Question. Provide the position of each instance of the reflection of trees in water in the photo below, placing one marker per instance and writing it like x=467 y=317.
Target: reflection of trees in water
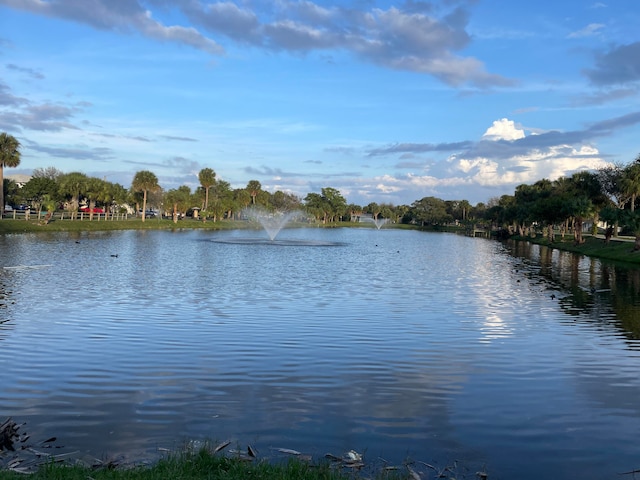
x=626 y=302
x=5 y=301
x=589 y=287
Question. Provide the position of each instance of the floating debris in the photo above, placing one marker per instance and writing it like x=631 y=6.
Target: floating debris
x=22 y=456
x=350 y=459
x=221 y=446
x=413 y=474
x=251 y=452
x=352 y=456
x=9 y=435
x=27 y=267
x=288 y=451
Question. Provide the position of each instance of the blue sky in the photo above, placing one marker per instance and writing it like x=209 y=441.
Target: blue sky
x=384 y=101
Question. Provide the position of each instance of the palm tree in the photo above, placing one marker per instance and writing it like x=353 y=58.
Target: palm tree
x=9 y=157
x=221 y=199
x=95 y=187
x=631 y=181
x=253 y=187
x=207 y=179
x=631 y=220
x=145 y=181
x=179 y=199
x=72 y=185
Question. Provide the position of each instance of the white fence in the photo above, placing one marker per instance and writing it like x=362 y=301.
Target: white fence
x=62 y=215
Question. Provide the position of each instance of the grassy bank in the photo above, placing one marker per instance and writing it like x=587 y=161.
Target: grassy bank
x=86 y=225
x=618 y=250
x=205 y=464
x=197 y=466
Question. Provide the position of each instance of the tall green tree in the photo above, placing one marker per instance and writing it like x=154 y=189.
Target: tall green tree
x=117 y=196
x=631 y=220
x=630 y=182
x=583 y=192
x=207 y=179
x=221 y=199
x=11 y=191
x=337 y=203
x=318 y=206
x=37 y=189
x=179 y=200
x=254 y=188
x=374 y=209
x=430 y=210
x=285 y=202
x=145 y=181
x=94 y=192
x=9 y=157
x=71 y=187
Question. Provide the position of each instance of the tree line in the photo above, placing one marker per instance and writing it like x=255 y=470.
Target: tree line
x=50 y=189
x=609 y=195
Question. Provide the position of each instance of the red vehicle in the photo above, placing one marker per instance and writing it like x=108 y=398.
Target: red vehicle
x=95 y=210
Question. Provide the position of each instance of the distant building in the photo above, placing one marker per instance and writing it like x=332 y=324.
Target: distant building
x=19 y=178
x=360 y=217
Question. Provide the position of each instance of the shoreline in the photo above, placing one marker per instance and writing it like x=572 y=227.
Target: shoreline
x=20 y=456
x=619 y=249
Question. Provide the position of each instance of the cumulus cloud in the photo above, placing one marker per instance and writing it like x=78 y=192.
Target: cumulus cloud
x=503 y=129
x=504 y=157
x=417 y=37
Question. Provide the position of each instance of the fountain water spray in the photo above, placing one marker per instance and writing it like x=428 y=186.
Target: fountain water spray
x=378 y=222
x=272 y=222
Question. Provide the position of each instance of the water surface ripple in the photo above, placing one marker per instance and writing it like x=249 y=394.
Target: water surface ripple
x=401 y=344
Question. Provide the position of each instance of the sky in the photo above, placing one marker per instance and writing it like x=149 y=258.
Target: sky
x=387 y=102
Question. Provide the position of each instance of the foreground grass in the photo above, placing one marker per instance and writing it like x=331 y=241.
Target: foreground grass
x=618 y=250
x=205 y=465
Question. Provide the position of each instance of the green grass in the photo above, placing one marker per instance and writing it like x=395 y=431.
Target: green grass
x=206 y=465
x=32 y=226
x=66 y=225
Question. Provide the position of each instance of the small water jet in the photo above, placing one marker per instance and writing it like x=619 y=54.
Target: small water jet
x=271 y=222
x=378 y=222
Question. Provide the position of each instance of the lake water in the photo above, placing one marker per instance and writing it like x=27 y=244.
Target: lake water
x=508 y=358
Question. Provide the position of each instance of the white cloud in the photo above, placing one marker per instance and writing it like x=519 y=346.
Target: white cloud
x=503 y=129
x=526 y=166
x=503 y=158
x=588 y=31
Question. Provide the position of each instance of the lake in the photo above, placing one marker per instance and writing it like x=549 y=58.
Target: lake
x=508 y=358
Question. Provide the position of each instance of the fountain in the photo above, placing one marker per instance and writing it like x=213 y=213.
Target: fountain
x=272 y=222
x=378 y=222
